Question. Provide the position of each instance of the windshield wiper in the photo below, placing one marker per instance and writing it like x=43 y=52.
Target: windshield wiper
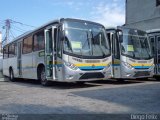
x=145 y=47
x=87 y=40
x=103 y=53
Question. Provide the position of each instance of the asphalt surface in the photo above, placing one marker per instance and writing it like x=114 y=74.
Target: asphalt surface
x=29 y=97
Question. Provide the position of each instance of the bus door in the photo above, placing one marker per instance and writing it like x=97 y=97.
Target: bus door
x=59 y=60
x=19 y=61
x=154 y=51
x=117 y=65
x=116 y=56
x=158 y=54
x=48 y=53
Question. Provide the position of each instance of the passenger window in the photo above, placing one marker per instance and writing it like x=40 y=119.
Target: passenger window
x=24 y=46
x=116 y=50
x=27 y=45
x=49 y=44
x=38 y=41
x=15 y=48
x=55 y=38
x=59 y=44
x=12 y=50
x=158 y=45
x=5 y=52
x=29 y=49
x=157 y=2
x=152 y=44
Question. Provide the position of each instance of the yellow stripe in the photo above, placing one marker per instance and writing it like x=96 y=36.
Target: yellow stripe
x=89 y=64
x=141 y=64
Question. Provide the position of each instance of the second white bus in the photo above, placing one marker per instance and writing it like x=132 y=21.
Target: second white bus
x=131 y=52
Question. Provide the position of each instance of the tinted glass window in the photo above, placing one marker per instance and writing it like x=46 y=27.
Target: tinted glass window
x=12 y=52
x=91 y=40
x=59 y=46
x=5 y=52
x=27 y=45
x=157 y=2
x=39 y=41
x=158 y=45
x=29 y=48
x=152 y=44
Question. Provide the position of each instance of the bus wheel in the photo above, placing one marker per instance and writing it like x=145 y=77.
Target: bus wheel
x=157 y=78
x=120 y=80
x=11 y=75
x=80 y=82
x=42 y=78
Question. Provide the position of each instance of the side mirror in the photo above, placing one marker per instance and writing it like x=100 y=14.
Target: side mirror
x=120 y=36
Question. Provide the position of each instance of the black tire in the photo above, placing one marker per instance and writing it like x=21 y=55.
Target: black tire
x=157 y=78
x=11 y=75
x=120 y=80
x=42 y=77
x=81 y=82
x=141 y=79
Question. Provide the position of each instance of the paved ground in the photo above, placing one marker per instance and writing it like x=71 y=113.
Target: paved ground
x=27 y=96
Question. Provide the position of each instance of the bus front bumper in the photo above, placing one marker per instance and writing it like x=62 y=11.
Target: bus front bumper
x=79 y=75
x=143 y=73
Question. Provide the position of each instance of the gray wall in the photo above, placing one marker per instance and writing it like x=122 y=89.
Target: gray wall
x=142 y=14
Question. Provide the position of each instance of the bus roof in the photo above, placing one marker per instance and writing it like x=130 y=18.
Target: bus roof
x=29 y=32
x=47 y=24
x=153 y=31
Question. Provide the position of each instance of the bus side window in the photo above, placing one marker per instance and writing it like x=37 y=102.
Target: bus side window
x=11 y=49
x=55 y=37
x=15 y=49
x=116 y=47
x=5 y=52
x=109 y=38
x=59 y=43
x=158 y=40
x=27 y=45
x=152 y=45
x=38 y=41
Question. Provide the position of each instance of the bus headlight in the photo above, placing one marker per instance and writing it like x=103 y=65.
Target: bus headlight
x=70 y=65
x=127 y=65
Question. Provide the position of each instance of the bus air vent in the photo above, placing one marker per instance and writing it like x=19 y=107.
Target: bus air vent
x=141 y=74
x=92 y=75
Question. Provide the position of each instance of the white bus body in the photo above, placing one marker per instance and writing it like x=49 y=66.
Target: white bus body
x=131 y=53
x=62 y=50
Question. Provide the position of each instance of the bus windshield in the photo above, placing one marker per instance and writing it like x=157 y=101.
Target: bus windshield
x=85 y=39
x=135 y=44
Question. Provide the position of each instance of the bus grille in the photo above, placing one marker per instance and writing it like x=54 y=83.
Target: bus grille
x=142 y=73
x=92 y=75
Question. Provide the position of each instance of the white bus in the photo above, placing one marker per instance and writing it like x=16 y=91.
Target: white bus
x=131 y=52
x=154 y=36
x=62 y=50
